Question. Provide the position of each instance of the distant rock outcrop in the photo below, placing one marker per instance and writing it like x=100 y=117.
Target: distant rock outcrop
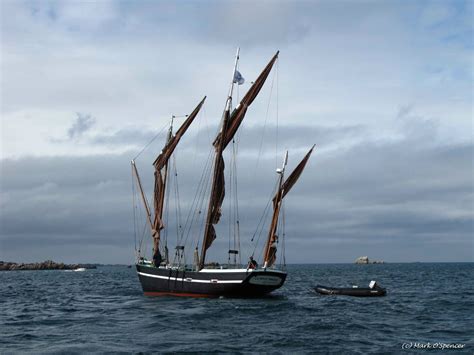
x=365 y=260
x=45 y=265
x=362 y=260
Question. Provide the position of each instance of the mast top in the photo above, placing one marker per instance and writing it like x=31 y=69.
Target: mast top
x=228 y=103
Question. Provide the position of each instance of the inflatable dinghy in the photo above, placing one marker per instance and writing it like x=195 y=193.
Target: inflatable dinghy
x=373 y=290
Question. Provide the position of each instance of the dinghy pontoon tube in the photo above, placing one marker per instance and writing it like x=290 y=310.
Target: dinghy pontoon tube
x=373 y=290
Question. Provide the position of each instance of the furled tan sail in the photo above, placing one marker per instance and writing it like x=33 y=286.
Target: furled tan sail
x=161 y=175
x=284 y=188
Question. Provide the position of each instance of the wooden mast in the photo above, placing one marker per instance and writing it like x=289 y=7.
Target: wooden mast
x=218 y=171
x=276 y=210
x=160 y=164
x=161 y=175
x=283 y=189
x=160 y=191
x=230 y=124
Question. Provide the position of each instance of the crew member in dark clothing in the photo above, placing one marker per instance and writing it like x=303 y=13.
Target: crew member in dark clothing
x=157 y=259
x=252 y=263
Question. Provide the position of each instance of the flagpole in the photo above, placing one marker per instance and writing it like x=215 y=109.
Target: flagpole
x=229 y=98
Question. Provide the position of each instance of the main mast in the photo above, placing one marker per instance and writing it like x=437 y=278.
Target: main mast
x=217 y=190
x=229 y=126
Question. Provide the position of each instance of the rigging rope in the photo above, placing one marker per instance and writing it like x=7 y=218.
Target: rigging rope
x=134 y=212
x=261 y=223
x=276 y=133
x=177 y=201
x=197 y=203
x=151 y=141
x=265 y=124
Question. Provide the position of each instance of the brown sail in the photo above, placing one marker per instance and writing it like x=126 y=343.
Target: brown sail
x=284 y=188
x=294 y=176
x=230 y=125
x=161 y=175
x=173 y=142
x=239 y=112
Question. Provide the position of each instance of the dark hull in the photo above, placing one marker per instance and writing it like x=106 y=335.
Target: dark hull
x=356 y=292
x=208 y=282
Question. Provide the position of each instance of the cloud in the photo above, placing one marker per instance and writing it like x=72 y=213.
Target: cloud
x=82 y=124
x=416 y=199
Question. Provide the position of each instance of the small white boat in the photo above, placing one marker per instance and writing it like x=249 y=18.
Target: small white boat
x=80 y=269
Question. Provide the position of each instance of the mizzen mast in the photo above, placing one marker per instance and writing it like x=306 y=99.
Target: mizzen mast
x=283 y=189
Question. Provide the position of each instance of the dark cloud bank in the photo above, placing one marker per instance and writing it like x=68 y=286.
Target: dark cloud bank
x=397 y=201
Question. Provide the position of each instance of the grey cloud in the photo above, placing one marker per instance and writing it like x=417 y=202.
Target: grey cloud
x=398 y=201
x=251 y=139
x=130 y=136
x=81 y=125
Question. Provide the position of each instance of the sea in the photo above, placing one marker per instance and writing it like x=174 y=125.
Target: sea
x=429 y=309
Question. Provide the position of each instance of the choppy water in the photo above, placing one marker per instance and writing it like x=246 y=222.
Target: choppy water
x=104 y=310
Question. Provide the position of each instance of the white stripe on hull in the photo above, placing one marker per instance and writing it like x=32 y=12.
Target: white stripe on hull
x=213 y=281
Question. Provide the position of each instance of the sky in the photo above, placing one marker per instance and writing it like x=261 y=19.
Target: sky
x=383 y=88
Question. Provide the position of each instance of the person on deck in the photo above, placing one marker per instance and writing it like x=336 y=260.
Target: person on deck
x=252 y=263
x=157 y=259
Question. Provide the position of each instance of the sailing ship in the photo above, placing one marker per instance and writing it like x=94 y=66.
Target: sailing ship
x=161 y=276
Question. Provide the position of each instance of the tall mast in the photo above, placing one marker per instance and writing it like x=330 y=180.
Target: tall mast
x=217 y=190
x=283 y=188
x=230 y=124
x=161 y=178
x=276 y=209
x=161 y=174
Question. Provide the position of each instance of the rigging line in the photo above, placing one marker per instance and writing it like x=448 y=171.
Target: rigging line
x=178 y=205
x=264 y=124
x=143 y=238
x=230 y=200
x=203 y=200
x=196 y=148
x=134 y=214
x=206 y=192
x=196 y=199
x=206 y=123
x=276 y=134
x=196 y=207
x=266 y=207
x=283 y=243
x=167 y=206
x=237 y=216
x=140 y=236
x=199 y=187
x=261 y=231
x=152 y=140
x=261 y=223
